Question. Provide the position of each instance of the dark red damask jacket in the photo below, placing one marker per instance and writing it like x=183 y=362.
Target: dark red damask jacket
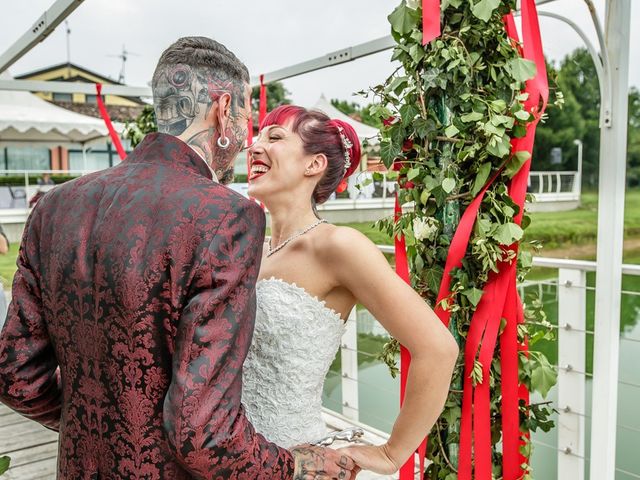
x=132 y=313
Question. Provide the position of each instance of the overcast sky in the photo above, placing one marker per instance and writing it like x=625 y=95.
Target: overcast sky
x=265 y=35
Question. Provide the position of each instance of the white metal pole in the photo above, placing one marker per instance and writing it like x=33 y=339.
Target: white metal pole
x=611 y=194
x=572 y=299
x=577 y=188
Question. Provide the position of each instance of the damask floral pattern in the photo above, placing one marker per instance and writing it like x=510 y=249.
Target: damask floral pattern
x=132 y=313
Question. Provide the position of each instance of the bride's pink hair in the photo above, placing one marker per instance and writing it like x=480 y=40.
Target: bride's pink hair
x=320 y=134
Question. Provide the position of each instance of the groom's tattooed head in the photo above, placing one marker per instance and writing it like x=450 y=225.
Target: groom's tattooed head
x=192 y=76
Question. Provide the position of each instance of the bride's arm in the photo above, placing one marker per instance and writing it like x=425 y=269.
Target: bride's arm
x=359 y=266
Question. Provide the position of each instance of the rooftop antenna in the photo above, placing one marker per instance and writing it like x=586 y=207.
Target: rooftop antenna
x=123 y=56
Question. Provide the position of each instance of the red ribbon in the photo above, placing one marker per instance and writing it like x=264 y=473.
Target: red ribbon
x=500 y=300
x=262 y=112
x=402 y=269
x=115 y=139
x=430 y=20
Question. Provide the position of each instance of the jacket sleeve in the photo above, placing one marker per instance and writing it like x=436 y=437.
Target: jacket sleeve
x=29 y=375
x=203 y=417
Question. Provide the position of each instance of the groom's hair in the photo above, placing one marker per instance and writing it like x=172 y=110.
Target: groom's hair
x=192 y=71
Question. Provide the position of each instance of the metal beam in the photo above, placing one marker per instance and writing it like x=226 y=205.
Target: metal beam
x=611 y=195
x=40 y=30
x=328 y=60
x=73 y=87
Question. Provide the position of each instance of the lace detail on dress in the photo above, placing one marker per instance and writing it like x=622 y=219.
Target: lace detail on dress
x=295 y=340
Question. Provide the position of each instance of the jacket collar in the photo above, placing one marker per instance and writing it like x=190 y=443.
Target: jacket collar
x=169 y=150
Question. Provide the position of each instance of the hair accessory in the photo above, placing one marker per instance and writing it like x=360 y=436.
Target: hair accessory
x=346 y=146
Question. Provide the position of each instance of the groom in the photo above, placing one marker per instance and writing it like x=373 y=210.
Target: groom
x=134 y=301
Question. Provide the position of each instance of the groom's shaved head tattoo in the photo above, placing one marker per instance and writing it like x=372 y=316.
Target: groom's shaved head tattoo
x=191 y=76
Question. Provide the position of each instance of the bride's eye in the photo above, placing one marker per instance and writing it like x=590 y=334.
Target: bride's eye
x=274 y=137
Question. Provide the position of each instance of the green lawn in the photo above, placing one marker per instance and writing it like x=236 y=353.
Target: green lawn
x=579 y=227
x=557 y=230
x=8 y=265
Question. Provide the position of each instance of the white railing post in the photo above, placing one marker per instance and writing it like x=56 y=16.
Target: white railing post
x=571 y=384
x=349 y=358
x=558 y=183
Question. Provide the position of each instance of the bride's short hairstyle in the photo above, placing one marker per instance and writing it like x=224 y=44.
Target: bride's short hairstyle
x=321 y=134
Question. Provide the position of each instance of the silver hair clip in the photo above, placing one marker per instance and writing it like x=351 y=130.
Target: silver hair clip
x=346 y=146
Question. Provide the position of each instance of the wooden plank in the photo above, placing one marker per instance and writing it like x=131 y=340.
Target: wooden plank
x=16 y=437
x=32 y=471
x=34 y=454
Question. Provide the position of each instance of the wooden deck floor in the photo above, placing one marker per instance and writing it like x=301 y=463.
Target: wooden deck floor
x=33 y=449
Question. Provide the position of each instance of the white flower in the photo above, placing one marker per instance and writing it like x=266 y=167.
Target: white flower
x=424 y=228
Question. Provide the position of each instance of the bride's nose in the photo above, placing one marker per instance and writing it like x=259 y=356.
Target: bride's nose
x=256 y=147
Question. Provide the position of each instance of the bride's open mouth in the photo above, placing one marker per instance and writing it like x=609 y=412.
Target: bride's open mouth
x=258 y=169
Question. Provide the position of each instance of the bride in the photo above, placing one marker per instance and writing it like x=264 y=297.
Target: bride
x=312 y=275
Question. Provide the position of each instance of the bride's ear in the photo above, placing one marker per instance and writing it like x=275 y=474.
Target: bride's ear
x=317 y=164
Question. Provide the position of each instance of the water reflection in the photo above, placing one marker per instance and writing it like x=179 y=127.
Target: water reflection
x=379 y=393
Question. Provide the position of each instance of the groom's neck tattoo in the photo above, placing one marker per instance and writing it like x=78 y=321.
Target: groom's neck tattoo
x=183 y=93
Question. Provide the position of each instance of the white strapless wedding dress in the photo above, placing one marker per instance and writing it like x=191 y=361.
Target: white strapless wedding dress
x=295 y=340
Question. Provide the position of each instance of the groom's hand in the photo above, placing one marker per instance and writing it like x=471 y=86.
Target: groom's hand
x=319 y=463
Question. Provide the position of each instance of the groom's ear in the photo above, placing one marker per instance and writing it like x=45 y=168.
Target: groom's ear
x=220 y=113
x=317 y=164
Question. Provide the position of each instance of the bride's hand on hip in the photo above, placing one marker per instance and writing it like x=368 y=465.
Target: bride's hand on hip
x=373 y=458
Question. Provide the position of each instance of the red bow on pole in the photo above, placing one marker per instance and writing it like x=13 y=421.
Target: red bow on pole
x=262 y=112
x=115 y=139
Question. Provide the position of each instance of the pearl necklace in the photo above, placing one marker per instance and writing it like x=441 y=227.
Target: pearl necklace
x=293 y=237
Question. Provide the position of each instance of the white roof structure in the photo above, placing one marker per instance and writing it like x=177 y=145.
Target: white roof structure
x=363 y=131
x=25 y=117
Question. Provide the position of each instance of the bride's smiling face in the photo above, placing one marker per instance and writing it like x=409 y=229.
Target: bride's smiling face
x=277 y=161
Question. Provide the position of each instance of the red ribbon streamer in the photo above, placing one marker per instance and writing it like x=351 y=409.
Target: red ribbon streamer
x=115 y=139
x=500 y=300
x=402 y=269
x=262 y=112
x=430 y=20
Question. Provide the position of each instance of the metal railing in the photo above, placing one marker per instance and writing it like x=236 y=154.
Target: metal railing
x=568 y=293
x=554 y=186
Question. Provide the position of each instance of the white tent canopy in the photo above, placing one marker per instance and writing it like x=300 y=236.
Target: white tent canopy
x=363 y=131
x=26 y=118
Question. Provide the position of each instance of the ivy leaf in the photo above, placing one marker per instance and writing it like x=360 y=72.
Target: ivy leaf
x=516 y=162
x=448 y=184
x=403 y=19
x=522 y=115
x=473 y=295
x=543 y=377
x=452 y=415
x=424 y=126
x=481 y=178
x=521 y=69
x=451 y=131
x=4 y=464
x=484 y=9
x=408 y=113
x=500 y=148
x=508 y=233
x=471 y=117
x=413 y=173
x=389 y=151
x=433 y=277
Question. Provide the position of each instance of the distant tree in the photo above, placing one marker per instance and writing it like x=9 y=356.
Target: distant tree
x=277 y=95
x=357 y=112
x=579 y=119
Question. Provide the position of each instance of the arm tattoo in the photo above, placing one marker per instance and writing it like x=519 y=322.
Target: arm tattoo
x=309 y=462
